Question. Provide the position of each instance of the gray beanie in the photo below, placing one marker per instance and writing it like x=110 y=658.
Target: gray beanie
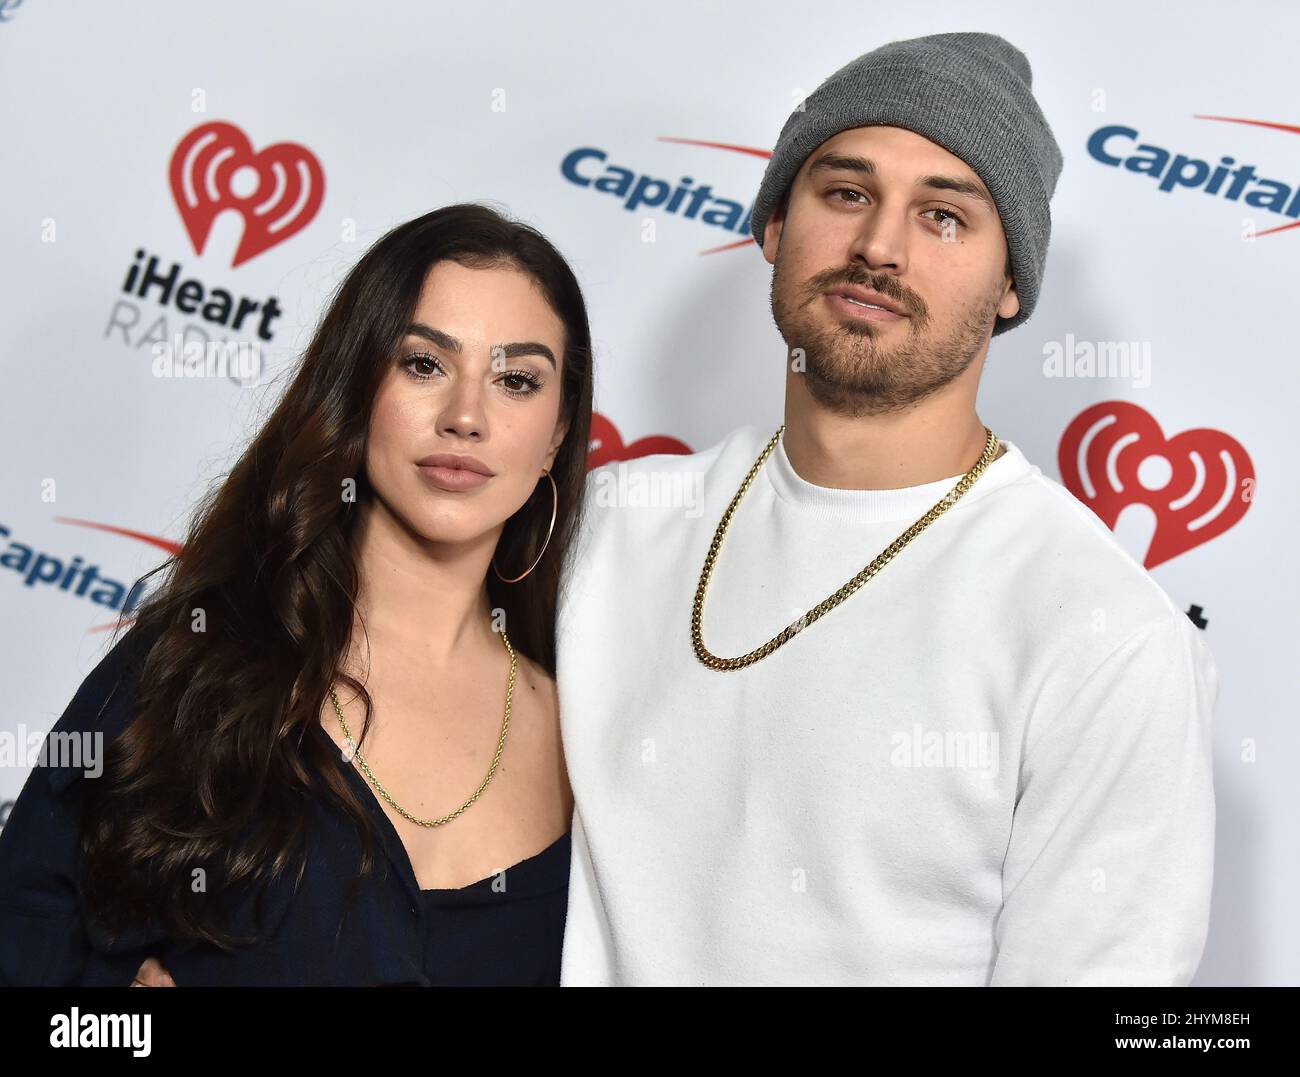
x=969 y=93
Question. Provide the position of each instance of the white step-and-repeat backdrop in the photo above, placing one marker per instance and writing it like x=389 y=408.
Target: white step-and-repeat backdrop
x=1168 y=313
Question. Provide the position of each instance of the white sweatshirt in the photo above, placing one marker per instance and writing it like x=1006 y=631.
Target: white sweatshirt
x=990 y=765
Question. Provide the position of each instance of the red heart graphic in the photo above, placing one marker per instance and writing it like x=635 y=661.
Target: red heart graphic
x=607 y=444
x=290 y=187
x=1209 y=487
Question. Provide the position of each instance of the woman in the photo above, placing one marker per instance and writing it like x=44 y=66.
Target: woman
x=336 y=723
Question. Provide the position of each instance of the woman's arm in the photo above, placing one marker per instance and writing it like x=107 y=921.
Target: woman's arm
x=43 y=938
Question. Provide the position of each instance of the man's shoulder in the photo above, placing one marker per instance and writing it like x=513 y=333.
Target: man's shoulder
x=665 y=487
x=743 y=441
x=1086 y=604
x=1076 y=559
x=636 y=512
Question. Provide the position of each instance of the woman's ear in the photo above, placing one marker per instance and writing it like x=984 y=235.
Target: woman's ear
x=561 y=432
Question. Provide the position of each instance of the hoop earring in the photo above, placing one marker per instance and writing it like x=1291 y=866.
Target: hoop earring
x=555 y=504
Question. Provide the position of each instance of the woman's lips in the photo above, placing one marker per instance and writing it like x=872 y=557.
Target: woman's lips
x=451 y=478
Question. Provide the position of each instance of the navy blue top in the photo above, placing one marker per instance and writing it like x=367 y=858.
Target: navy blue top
x=506 y=929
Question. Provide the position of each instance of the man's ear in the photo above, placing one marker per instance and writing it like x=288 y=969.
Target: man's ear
x=772 y=230
x=1010 y=305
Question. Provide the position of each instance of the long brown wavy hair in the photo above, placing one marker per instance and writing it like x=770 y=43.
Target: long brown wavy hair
x=213 y=769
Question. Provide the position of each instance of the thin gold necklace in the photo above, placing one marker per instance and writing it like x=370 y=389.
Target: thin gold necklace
x=827 y=604
x=505 y=728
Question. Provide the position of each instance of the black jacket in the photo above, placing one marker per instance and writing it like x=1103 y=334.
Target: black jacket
x=392 y=933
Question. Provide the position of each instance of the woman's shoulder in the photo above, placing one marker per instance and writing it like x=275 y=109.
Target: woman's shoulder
x=101 y=708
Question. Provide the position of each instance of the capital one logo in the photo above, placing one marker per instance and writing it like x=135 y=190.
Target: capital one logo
x=1198 y=483
x=276 y=190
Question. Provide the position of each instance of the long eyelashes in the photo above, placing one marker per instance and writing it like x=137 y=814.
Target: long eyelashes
x=531 y=383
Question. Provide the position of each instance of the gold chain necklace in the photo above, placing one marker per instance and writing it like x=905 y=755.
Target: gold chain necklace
x=713 y=661
x=505 y=728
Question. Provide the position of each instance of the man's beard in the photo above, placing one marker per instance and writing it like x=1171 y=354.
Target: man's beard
x=849 y=368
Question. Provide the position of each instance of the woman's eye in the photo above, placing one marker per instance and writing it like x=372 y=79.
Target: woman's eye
x=424 y=363
x=524 y=383
x=422 y=367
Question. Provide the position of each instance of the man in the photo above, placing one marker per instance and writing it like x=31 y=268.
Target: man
x=896 y=708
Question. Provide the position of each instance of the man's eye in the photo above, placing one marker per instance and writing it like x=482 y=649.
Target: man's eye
x=856 y=197
x=949 y=214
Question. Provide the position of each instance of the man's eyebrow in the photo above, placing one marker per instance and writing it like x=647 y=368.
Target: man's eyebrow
x=840 y=162
x=958 y=186
x=510 y=351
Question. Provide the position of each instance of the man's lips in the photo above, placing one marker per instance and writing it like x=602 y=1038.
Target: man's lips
x=865 y=296
x=858 y=312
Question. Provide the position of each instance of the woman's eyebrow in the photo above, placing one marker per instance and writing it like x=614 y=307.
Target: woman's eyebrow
x=527 y=347
x=511 y=351
x=434 y=336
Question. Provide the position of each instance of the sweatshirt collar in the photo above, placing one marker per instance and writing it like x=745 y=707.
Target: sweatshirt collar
x=869 y=506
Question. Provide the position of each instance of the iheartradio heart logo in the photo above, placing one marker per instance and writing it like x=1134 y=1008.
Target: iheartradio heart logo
x=607 y=444
x=1198 y=483
x=277 y=190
